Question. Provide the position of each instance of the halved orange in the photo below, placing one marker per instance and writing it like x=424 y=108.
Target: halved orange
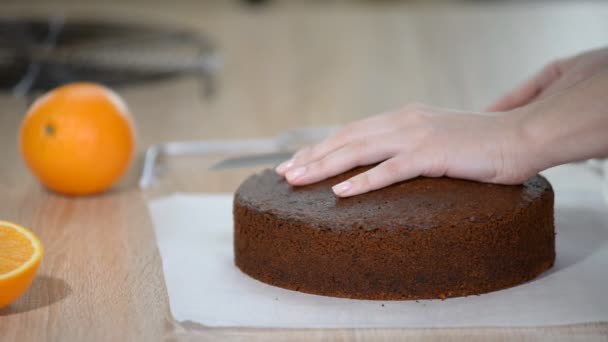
x=20 y=255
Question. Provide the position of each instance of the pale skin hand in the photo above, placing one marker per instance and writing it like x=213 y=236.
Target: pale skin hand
x=505 y=148
x=555 y=77
x=416 y=140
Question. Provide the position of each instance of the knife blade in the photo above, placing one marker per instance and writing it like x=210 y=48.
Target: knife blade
x=262 y=159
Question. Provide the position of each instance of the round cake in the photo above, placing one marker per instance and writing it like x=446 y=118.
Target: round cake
x=417 y=239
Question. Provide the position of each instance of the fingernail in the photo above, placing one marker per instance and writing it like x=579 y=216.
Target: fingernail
x=284 y=166
x=342 y=188
x=296 y=173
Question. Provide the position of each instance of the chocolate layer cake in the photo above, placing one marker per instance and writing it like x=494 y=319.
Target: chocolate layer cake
x=423 y=238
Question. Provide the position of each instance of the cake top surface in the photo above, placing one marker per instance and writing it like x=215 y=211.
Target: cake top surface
x=421 y=203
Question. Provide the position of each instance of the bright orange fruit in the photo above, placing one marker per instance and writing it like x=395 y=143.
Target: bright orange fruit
x=78 y=139
x=20 y=255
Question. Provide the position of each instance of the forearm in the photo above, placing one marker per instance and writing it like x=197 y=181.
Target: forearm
x=570 y=126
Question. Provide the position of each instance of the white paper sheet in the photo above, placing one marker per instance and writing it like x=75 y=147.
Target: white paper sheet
x=194 y=233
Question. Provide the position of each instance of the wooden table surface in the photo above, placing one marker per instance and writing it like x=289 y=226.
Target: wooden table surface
x=284 y=66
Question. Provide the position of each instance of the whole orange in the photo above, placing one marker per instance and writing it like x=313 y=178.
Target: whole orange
x=78 y=139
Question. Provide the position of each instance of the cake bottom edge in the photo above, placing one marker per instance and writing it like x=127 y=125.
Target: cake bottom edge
x=402 y=296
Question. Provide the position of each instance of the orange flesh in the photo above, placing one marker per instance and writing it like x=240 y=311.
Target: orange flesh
x=15 y=249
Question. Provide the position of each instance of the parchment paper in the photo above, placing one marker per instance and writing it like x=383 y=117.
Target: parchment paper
x=194 y=233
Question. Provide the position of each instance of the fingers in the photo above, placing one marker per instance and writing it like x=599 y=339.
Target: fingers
x=518 y=97
x=528 y=91
x=561 y=85
x=361 y=152
x=353 y=132
x=389 y=172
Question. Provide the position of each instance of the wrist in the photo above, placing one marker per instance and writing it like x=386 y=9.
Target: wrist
x=530 y=138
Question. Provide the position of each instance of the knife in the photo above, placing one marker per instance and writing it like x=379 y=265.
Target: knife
x=269 y=159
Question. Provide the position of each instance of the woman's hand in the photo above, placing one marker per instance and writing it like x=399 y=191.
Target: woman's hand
x=417 y=141
x=554 y=78
x=562 y=118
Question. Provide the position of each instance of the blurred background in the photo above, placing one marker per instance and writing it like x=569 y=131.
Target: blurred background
x=187 y=66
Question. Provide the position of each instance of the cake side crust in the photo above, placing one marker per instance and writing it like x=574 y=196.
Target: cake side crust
x=458 y=259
